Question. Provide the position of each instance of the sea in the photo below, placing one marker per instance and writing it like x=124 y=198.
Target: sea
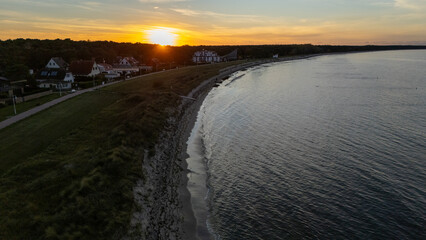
x=328 y=147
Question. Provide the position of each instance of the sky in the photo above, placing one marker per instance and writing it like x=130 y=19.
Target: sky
x=218 y=22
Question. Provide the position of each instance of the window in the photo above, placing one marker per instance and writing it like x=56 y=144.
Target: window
x=54 y=73
x=43 y=73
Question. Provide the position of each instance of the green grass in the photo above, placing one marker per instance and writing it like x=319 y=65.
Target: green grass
x=7 y=111
x=68 y=172
x=27 y=137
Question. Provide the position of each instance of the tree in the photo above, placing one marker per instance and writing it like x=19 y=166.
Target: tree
x=16 y=72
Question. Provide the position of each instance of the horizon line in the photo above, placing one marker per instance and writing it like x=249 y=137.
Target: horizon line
x=216 y=45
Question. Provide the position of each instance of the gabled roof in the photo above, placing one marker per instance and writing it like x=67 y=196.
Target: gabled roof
x=81 y=67
x=131 y=60
x=106 y=66
x=61 y=62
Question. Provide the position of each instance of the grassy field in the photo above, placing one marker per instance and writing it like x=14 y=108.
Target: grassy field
x=68 y=172
x=7 y=111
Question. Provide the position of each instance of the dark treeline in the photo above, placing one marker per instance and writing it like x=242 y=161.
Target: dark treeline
x=20 y=55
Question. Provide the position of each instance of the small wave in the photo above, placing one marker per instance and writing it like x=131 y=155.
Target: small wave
x=233 y=79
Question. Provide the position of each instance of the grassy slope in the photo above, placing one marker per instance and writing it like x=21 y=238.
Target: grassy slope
x=68 y=172
x=28 y=137
x=7 y=111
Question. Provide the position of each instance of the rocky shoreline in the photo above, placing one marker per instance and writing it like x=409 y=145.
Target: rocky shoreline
x=163 y=203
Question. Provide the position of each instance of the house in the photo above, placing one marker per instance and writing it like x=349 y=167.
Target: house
x=108 y=71
x=127 y=66
x=105 y=68
x=55 y=75
x=54 y=78
x=205 y=56
x=275 y=56
x=84 y=68
x=128 y=61
x=57 y=62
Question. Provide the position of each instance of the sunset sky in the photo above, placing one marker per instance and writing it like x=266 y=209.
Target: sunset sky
x=218 y=22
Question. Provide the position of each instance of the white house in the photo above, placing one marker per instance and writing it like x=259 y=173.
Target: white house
x=205 y=56
x=69 y=77
x=105 y=68
x=86 y=68
x=57 y=62
x=129 y=61
x=54 y=78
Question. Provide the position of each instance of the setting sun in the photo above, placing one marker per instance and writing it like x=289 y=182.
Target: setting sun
x=162 y=36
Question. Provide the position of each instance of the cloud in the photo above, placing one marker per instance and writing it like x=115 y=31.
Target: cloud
x=411 y=4
x=187 y=12
x=228 y=18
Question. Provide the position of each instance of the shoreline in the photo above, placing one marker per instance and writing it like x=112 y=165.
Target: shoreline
x=187 y=123
x=162 y=200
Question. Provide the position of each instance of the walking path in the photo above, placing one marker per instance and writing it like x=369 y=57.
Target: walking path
x=37 y=109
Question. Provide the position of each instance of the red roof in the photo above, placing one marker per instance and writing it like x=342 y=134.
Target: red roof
x=82 y=67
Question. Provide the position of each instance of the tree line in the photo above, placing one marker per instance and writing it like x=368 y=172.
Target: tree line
x=19 y=55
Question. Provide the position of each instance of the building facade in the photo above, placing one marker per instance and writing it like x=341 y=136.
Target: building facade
x=55 y=75
x=54 y=79
x=205 y=56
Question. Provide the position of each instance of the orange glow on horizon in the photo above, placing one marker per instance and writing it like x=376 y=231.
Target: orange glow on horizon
x=162 y=36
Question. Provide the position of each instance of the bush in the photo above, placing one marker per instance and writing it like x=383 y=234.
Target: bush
x=31 y=91
x=88 y=84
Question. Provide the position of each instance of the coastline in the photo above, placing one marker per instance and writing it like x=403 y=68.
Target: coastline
x=223 y=202
x=187 y=124
x=163 y=208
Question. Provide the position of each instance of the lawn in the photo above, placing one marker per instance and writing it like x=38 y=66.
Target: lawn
x=29 y=136
x=68 y=172
x=6 y=112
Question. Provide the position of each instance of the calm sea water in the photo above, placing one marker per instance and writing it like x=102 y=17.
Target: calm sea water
x=332 y=147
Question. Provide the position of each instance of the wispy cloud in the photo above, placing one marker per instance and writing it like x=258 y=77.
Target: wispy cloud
x=221 y=17
x=411 y=4
x=218 y=22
